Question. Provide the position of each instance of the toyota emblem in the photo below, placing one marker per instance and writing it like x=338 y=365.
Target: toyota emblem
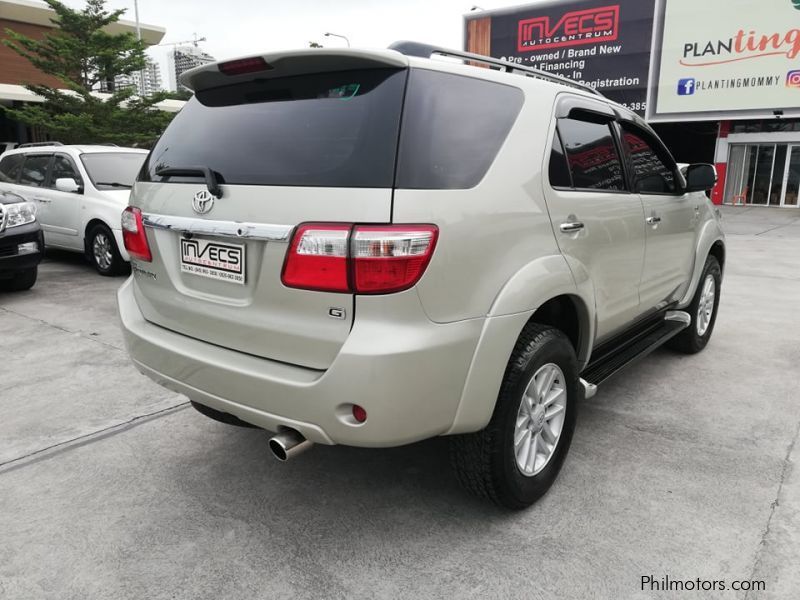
x=203 y=202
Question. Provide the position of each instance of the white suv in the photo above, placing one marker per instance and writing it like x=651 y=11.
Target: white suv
x=372 y=248
x=80 y=192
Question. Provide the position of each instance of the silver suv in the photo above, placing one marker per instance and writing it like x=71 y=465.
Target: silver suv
x=373 y=248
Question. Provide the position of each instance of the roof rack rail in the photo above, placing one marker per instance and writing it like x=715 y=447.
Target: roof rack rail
x=428 y=50
x=37 y=144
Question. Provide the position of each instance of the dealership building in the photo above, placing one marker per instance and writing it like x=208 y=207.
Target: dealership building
x=34 y=19
x=719 y=80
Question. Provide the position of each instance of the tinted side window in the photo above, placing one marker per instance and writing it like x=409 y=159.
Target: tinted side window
x=10 y=167
x=453 y=128
x=559 y=169
x=34 y=171
x=652 y=171
x=63 y=168
x=592 y=155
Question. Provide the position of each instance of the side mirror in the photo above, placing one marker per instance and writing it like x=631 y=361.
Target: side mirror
x=68 y=184
x=700 y=178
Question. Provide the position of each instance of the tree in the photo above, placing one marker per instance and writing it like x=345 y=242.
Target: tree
x=318 y=45
x=83 y=56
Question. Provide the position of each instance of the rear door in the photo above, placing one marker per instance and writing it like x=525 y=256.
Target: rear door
x=598 y=222
x=671 y=217
x=286 y=150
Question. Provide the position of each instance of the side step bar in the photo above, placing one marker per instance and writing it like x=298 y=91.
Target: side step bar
x=651 y=335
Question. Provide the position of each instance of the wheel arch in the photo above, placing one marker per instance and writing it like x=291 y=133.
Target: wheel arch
x=717 y=250
x=90 y=224
x=569 y=314
x=545 y=292
x=710 y=241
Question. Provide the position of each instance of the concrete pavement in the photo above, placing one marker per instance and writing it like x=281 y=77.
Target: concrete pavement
x=683 y=466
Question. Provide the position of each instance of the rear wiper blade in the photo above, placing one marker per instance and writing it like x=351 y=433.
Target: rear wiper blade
x=211 y=178
x=114 y=184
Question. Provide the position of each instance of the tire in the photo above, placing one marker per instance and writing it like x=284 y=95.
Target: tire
x=220 y=416
x=695 y=337
x=101 y=249
x=486 y=462
x=22 y=280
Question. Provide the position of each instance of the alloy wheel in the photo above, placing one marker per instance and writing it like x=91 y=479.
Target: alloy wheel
x=101 y=249
x=540 y=419
x=705 y=308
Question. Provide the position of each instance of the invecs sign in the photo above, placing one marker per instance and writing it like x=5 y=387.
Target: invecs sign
x=575 y=28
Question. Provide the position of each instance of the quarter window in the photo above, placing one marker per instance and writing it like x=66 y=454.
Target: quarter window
x=653 y=173
x=592 y=155
x=34 y=171
x=453 y=129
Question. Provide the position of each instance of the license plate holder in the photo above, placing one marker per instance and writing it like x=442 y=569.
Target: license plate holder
x=212 y=259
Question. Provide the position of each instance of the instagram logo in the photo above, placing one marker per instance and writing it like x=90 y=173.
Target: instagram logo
x=793 y=79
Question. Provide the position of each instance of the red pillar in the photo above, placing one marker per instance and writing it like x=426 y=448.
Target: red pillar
x=721 y=163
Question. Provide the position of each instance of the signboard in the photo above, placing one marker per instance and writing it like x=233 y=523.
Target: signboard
x=723 y=58
x=603 y=43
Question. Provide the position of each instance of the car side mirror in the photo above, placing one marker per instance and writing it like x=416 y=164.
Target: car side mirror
x=700 y=178
x=69 y=185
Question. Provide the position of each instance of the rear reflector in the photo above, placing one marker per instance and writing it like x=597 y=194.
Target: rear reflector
x=244 y=65
x=133 y=234
x=361 y=259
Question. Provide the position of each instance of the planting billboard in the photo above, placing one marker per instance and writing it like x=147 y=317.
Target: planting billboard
x=726 y=58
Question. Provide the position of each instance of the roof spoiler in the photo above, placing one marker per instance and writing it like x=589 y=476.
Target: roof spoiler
x=287 y=63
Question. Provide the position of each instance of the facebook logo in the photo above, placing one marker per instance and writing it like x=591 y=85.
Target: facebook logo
x=686 y=87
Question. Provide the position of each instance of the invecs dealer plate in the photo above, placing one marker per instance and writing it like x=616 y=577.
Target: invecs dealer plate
x=214 y=260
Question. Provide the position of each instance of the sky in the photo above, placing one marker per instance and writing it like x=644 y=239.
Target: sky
x=243 y=27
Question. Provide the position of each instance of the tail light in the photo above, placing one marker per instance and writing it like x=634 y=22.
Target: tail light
x=317 y=258
x=133 y=234
x=361 y=259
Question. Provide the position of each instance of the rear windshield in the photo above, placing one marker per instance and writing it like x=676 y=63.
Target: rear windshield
x=330 y=129
x=341 y=130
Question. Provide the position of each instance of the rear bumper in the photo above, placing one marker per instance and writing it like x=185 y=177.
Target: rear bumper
x=10 y=260
x=406 y=371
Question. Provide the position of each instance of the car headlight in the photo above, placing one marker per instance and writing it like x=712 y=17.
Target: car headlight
x=20 y=213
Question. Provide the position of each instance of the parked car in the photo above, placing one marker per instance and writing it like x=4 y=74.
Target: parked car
x=80 y=191
x=372 y=248
x=21 y=243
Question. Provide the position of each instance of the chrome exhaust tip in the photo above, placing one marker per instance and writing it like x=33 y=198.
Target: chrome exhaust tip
x=288 y=444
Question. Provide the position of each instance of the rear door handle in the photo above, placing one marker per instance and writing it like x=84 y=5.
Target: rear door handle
x=571 y=226
x=653 y=220
x=44 y=200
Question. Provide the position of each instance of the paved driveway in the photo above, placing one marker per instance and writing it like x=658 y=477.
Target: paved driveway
x=111 y=487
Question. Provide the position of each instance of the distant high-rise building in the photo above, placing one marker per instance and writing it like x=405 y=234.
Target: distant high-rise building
x=147 y=82
x=182 y=59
